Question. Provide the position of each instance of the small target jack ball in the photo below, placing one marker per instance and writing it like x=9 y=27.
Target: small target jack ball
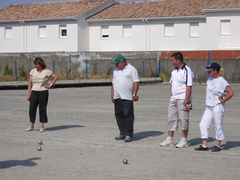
x=39 y=148
x=125 y=161
x=40 y=142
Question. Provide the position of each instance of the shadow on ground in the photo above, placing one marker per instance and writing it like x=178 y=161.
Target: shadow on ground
x=12 y=163
x=56 y=128
x=230 y=144
x=142 y=135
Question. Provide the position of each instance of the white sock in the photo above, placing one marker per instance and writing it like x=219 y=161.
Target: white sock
x=184 y=139
x=170 y=138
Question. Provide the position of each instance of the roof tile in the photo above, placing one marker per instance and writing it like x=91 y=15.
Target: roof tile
x=124 y=10
x=164 y=8
x=48 y=10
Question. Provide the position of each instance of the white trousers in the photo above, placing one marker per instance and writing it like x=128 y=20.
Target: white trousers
x=213 y=114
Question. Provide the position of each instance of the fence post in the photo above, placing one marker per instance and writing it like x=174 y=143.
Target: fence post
x=16 y=70
x=54 y=66
x=159 y=66
x=209 y=58
x=86 y=69
x=70 y=56
x=157 y=74
x=143 y=68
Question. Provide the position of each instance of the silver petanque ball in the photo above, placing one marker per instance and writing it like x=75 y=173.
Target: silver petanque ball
x=40 y=142
x=39 y=148
x=125 y=161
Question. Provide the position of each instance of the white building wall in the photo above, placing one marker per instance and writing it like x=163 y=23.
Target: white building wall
x=15 y=44
x=147 y=35
x=215 y=40
x=26 y=37
x=116 y=41
x=181 y=39
x=52 y=42
x=83 y=35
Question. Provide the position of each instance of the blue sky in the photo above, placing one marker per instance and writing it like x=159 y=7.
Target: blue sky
x=4 y=3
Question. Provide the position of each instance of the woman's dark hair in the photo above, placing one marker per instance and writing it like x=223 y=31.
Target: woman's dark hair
x=178 y=56
x=40 y=61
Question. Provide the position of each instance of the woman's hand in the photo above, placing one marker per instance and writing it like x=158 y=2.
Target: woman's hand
x=48 y=86
x=28 y=97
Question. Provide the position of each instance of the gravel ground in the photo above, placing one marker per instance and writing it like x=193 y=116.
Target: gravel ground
x=79 y=139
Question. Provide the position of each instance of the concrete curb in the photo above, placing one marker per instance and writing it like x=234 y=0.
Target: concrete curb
x=72 y=83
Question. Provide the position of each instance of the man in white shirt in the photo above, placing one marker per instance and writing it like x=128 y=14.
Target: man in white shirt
x=125 y=85
x=180 y=101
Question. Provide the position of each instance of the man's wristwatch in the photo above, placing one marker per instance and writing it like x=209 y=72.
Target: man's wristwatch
x=134 y=95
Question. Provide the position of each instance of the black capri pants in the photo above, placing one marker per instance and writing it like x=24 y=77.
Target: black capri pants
x=38 y=98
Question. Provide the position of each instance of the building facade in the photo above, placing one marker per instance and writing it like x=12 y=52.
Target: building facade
x=168 y=25
x=105 y=25
x=49 y=27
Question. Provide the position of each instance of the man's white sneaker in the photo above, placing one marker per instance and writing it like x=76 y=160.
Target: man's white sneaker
x=182 y=144
x=166 y=143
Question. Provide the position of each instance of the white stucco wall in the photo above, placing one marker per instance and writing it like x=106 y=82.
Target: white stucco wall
x=52 y=42
x=26 y=37
x=181 y=39
x=83 y=35
x=147 y=36
x=15 y=44
x=214 y=38
x=116 y=41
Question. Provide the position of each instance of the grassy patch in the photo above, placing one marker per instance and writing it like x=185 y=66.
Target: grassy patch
x=164 y=77
x=4 y=78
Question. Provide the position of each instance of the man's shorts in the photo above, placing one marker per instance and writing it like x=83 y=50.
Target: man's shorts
x=177 y=112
